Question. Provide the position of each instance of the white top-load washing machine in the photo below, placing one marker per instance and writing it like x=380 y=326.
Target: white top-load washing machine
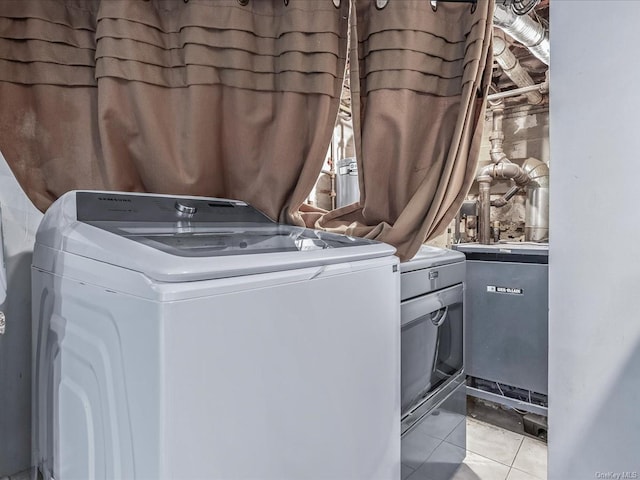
x=193 y=338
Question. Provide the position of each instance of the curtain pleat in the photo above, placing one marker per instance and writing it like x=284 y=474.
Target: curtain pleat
x=220 y=99
x=307 y=42
x=198 y=97
x=419 y=86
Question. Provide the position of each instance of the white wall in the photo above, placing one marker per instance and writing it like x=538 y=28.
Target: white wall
x=594 y=321
x=526 y=134
x=20 y=219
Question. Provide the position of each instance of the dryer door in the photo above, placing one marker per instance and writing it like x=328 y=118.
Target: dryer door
x=432 y=343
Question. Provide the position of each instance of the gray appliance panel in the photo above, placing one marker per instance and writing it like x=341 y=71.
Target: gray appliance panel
x=515 y=248
x=15 y=368
x=425 y=280
x=429 y=256
x=506 y=333
x=121 y=207
x=200 y=227
x=431 y=344
x=422 y=445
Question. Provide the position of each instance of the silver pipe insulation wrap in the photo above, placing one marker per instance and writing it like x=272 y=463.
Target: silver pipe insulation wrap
x=537 y=171
x=536 y=226
x=525 y=30
x=484 y=206
x=511 y=67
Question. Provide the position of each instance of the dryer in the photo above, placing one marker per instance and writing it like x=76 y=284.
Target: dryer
x=433 y=380
x=190 y=337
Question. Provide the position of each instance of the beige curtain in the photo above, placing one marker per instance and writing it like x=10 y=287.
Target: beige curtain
x=237 y=99
x=206 y=97
x=419 y=81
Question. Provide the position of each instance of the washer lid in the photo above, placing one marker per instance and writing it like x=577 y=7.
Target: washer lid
x=174 y=238
x=429 y=256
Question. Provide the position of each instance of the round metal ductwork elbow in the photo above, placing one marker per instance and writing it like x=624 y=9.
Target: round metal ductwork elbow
x=537 y=170
x=536 y=224
x=508 y=170
x=524 y=29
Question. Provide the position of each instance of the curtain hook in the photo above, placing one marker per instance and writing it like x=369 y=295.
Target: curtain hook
x=474 y=5
x=380 y=4
x=286 y=3
x=243 y=2
x=336 y=3
x=434 y=5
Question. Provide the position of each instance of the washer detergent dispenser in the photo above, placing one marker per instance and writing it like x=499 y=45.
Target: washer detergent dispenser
x=190 y=338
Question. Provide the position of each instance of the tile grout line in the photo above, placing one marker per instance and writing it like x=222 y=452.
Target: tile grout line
x=490 y=459
x=450 y=434
x=522 y=437
x=427 y=459
x=519 y=448
x=524 y=471
x=497 y=461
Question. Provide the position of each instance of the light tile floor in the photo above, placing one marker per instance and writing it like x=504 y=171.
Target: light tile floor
x=497 y=454
x=493 y=453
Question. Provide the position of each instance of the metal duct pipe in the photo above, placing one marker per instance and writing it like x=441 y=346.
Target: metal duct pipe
x=511 y=67
x=515 y=92
x=501 y=168
x=505 y=171
x=503 y=200
x=525 y=30
x=538 y=172
x=536 y=225
x=496 y=137
x=484 y=209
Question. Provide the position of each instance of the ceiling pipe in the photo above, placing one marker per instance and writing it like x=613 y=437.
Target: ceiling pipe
x=515 y=92
x=484 y=209
x=525 y=30
x=499 y=168
x=508 y=171
x=503 y=200
x=511 y=67
x=502 y=171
